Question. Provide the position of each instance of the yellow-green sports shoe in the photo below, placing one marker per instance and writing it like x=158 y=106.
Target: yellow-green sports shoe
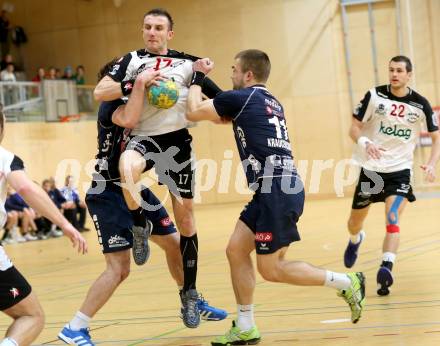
x=235 y=336
x=355 y=295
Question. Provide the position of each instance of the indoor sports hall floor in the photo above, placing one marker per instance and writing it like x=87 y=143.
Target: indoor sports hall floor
x=144 y=311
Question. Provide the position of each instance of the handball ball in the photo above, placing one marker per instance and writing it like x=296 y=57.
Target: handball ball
x=164 y=95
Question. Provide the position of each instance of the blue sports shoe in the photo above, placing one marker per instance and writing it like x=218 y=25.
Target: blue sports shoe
x=207 y=312
x=384 y=280
x=75 y=337
x=210 y=313
x=351 y=252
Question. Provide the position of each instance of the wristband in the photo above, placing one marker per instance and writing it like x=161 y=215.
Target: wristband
x=127 y=87
x=363 y=141
x=197 y=78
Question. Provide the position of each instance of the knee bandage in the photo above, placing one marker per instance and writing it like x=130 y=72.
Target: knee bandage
x=393 y=229
x=393 y=213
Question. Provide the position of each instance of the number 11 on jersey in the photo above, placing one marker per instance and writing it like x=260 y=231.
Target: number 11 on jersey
x=280 y=127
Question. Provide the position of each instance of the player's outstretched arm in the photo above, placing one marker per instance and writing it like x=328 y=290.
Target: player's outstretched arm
x=429 y=167
x=39 y=200
x=128 y=116
x=107 y=90
x=197 y=109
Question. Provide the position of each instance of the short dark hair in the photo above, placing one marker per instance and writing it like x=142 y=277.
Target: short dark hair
x=161 y=12
x=405 y=59
x=106 y=68
x=256 y=61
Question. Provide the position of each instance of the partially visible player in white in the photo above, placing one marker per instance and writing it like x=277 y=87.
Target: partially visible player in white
x=386 y=126
x=16 y=297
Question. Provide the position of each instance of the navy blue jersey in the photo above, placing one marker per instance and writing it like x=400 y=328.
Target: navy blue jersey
x=110 y=139
x=260 y=131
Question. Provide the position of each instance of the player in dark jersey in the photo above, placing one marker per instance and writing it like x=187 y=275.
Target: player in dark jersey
x=17 y=300
x=113 y=221
x=268 y=222
x=386 y=126
x=161 y=140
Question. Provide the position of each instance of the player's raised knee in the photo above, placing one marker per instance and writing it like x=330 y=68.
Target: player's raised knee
x=130 y=165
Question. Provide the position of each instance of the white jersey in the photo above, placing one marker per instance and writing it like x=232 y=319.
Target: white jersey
x=174 y=65
x=393 y=123
x=8 y=163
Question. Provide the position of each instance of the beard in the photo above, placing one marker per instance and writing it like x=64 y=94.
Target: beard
x=237 y=85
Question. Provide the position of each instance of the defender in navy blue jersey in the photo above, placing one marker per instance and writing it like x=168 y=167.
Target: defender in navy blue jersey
x=113 y=220
x=386 y=125
x=268 y=224
x=160 y=139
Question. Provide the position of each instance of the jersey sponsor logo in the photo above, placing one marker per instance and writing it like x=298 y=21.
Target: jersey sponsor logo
x=404 y=188
x=381 y=109
x=415 y=104
x=165 y=222
x=241 y=136
x=107 y=143
x=285 y=163
x=394 y=131
x=273 y=108
x=140 y=69
x=278 y=143
x=263 y=247
x=256 y=166
x=117 y=241
x=412 y=117
x=273 y=104
x=115 y=69
x=128 y=86
x=263 y=237
x=14 y=292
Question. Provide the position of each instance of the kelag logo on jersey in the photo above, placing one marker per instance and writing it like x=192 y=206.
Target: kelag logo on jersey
x=394 y=131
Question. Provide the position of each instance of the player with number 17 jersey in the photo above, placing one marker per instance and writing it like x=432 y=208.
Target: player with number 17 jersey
x=174 y=65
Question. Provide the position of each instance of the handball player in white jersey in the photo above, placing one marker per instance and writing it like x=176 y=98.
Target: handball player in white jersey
x=17 y=300
x=160 y=140
x=386 y=126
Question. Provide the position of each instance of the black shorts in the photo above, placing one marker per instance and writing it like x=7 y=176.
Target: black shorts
x=375 y=187
x=171 y=156
x=113 y=220
x=13 y=288
x=273 y=215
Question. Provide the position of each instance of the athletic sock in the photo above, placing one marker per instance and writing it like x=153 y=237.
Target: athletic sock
x=245 y=317
x=337 y=280
x=189 y=247
x=388 y=259
x=138 y=216
x=356 y=238
x=80 y=321
x=9 y=342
